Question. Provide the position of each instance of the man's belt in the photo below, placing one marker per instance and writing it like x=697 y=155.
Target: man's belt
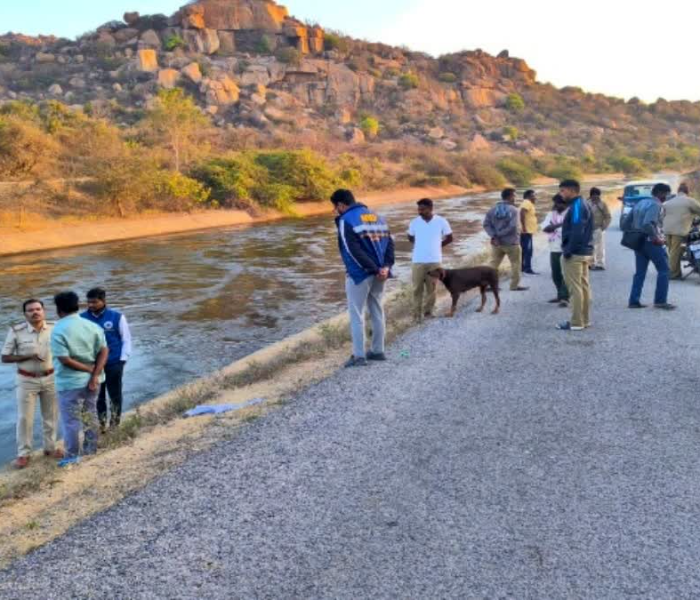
x=35 y=375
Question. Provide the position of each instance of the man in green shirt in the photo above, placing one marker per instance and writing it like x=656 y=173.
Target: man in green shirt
x=80 y=353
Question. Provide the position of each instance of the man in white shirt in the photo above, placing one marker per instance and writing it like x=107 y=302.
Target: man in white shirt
x=429 y=234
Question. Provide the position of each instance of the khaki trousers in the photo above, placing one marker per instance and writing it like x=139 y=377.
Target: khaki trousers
x=577 y=281
x=675 y=253
x=599 y=248
x=28 y=389
x=424 y=289
x=515 y=256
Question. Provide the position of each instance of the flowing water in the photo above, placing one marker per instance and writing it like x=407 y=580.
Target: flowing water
x=199 y=301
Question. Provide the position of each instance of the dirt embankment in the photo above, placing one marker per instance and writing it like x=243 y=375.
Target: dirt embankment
x=54 y=236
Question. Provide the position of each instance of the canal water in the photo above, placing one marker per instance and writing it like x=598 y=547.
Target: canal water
x=199 y=301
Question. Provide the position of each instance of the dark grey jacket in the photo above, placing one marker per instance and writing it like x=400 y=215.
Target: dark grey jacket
x=502 y=223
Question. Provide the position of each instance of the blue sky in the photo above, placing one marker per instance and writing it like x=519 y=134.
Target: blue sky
x=623 y=47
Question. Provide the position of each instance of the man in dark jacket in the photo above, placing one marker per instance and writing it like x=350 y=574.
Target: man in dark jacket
x=367 y=250
x=577 y=250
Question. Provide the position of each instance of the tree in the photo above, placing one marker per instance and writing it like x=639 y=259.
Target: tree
x=515 y=102
x=176 y=121
x=370 y=127
x=25 y=150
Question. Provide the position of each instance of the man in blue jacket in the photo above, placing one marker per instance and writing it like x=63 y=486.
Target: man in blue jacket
x=577 y=250
x=119 y=342
x=367 y=250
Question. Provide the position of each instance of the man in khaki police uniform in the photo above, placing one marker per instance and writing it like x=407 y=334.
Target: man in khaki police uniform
x=28 y=346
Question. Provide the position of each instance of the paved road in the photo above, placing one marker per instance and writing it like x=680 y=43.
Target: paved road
x=502 y=459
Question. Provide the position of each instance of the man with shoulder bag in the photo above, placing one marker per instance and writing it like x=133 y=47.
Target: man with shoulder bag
x=643 y=232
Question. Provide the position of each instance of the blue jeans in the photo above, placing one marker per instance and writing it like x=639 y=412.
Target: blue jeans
x=79 y=411
x=658 y=256
x=528 y=247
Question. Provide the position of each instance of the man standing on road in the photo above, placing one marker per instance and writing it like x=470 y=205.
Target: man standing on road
x=552 y=225
x=118 y=337
x=601 y=221
x=577 y=249
x=429 y=234
x=80 y=354
x=528 y=228
x=648 y=218
x=501 y=225
x=678 y=221
x=367 y=250
x=29 y=347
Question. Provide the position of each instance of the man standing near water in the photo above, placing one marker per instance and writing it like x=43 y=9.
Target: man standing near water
x=28 y=346
x=80 y=354
x=502 y=226
x=601 y=221
x=367 y=250
x=528 y=229
x=577 y=249
x=118 y=337
x=429 y=234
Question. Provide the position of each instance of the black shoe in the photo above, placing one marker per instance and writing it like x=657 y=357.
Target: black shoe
x=530 y=272
x=563 y=303
x=554 y=301
x=356 y=362
x=665 y=306
x=376 y=356
x=636 y=305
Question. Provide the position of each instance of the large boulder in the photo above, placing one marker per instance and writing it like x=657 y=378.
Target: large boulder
x=255 y=75
x=131 y=18
x=193 y=17
x=264 y=15
x=221 y=91
x=202 y=41
x=125 y=35
x=479 y=97
x=147 y=60
x=45 y=57
x=227 y=43
x=150 y=39
x=168 y=78
x=193 y=72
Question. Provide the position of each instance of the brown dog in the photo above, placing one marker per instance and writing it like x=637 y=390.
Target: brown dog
x=458 y=281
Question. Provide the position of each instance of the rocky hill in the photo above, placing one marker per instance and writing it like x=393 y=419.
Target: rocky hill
x=249 y=63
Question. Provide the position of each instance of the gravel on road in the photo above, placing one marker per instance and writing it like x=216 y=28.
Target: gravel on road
x=491 y=457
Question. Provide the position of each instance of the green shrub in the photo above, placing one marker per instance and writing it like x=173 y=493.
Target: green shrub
x=391 y=73
x=483 y=172
x=334 y=41
x=515 y=102
x=231 y=179
x=289 y=56
x=562 y=172
x=264 y=45
x=516 y=172
x=627 y=164
x=409 y=81
x=370 y=126
x=276 y=195
x=174 y=42
x=178 y=192
x=512 y=132
x=307 y=172
x=448 y=77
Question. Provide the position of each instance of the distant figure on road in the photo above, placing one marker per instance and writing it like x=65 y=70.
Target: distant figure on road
x=29 y=347
x=429 y=234
x=552 y=226
x=648 y=218
x=528 y=228
x=577 y=249
x=367 y=250
x=79 y=356
x=118 y=337
x=502 y=226
x=601 y=221
x=678 y=221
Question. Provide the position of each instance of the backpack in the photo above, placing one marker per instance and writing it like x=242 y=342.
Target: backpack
x=627 y=219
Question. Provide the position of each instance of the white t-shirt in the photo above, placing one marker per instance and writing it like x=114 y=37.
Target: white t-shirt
x=429 y=236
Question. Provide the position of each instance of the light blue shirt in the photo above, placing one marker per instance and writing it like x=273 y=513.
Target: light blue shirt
x=80 y=340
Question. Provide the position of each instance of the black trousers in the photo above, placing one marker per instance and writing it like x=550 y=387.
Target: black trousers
x=112 y=386
x=527 y=246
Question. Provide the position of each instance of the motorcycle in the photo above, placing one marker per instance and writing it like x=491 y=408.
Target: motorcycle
x=691 y=256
